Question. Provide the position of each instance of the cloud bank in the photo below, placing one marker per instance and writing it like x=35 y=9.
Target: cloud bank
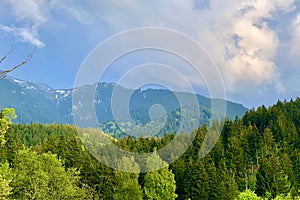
x=238 y=34
x=33 y=14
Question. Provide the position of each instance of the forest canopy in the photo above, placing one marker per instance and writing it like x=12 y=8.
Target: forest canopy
x=256 y=157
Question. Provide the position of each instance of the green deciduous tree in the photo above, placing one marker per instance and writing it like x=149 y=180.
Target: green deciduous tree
x=43 y=177
x=5 y=122
x=160 y=184
x=286 y=197
x=247 y=195
x=126 y=184
x=5 y=179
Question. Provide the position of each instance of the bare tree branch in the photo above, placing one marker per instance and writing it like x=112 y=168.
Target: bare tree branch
x=28 y=58
x=9 y=52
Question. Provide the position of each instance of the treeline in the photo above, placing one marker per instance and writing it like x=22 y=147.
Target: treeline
x=167 y=123
x=257 y=155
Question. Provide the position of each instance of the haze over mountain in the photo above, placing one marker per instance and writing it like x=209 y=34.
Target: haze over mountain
x=255 y=44
x=40 y=103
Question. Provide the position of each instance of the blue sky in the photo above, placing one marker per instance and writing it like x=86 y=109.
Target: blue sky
x=255 y=44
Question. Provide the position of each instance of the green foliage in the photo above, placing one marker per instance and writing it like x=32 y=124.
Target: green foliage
x=159 y=184
x=247 y=195
x=271 y=176
x=43 y=177
x=127 y=185
x=287 y=197
x=227 y=185
x=260 y=152
x=5 y=179
x=5 y=122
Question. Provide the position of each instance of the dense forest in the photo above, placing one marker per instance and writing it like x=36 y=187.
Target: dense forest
x=256 y=157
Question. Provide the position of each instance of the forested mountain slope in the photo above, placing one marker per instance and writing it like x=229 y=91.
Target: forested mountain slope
x=41 y=104
x=260 y=152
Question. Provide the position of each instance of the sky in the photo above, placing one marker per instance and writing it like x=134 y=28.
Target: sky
x=255 y=44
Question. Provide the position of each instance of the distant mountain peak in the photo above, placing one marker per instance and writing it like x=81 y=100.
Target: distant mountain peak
x=40 y=103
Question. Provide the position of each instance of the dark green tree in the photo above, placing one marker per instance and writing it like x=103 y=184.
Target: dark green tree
x=271 y=177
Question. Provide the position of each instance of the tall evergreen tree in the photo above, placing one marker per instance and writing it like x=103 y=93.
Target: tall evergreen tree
x=271 y=177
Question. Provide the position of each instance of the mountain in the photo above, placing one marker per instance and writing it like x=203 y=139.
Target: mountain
x=39 y=103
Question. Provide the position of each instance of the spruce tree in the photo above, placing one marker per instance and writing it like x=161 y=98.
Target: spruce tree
x=271 y=177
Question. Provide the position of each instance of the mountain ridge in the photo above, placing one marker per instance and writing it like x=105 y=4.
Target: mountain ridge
x=39 y=103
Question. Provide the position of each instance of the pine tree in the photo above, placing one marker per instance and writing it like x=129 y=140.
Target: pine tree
x=213 y=180
x=195 y=181
x=227 y=186
x=271 y=177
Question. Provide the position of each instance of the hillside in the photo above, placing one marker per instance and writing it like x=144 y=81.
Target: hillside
x=256 y=155
x=38 y=103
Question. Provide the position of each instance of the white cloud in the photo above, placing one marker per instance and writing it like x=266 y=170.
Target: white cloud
x=236 y=33
x=31 y=10
x=243 y=44
x=33 y=13
x=295 y=36
x=79 y=14
x=27 y=35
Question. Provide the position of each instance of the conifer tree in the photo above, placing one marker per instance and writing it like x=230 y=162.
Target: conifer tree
x=271 y=177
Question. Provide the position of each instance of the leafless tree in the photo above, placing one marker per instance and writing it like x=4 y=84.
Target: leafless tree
x=27 y=59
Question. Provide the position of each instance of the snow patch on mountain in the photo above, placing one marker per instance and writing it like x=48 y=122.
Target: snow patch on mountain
x=23 y=84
